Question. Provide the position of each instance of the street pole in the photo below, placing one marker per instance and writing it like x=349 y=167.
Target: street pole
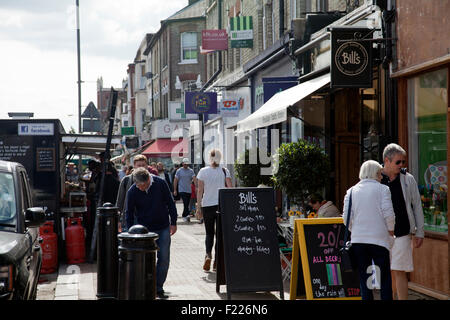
x=79 y=67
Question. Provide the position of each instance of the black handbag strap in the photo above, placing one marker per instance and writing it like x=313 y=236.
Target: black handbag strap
x=349 y=211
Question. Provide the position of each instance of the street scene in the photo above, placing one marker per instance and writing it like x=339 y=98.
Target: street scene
x=221 y=150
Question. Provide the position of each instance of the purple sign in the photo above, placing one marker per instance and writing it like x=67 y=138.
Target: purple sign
x=200 y=102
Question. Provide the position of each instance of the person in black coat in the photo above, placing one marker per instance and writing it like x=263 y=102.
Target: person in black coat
x=163 y=174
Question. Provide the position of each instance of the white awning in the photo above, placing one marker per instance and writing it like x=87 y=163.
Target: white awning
x=275 y=109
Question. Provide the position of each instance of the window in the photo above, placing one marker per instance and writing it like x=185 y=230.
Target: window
x=427 y=127
x=189 y=50
x=7 y=201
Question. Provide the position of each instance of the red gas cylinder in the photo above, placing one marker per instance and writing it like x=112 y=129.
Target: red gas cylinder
x=49 y=248
x=75 y=247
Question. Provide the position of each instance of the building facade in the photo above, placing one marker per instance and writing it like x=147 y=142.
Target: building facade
x=422 y=69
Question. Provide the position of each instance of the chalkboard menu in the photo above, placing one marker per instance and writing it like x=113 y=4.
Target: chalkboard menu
x=319 y=241
x=250 y=243
x=45 y=159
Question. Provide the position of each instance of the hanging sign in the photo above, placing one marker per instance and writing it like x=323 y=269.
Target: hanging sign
x=241 y=32
x=230 y=107
x=351 y=58
x=214 y=39
x=200 y=102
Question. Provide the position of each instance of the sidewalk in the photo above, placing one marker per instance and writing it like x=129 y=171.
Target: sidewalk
x=186 y=279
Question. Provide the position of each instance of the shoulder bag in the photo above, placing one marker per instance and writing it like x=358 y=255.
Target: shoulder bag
x=346 y=254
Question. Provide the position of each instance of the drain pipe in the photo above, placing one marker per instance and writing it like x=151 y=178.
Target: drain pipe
x=210 y=80
x=219 y=70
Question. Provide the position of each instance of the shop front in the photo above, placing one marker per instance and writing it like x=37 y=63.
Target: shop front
x=423 y=76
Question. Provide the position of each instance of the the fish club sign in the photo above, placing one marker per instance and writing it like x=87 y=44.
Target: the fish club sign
x=351 y=64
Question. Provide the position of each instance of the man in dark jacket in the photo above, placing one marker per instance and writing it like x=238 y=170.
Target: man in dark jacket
x=151 y=202
x=139 y=161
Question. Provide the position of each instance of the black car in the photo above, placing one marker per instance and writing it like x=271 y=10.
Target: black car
x=20 y=250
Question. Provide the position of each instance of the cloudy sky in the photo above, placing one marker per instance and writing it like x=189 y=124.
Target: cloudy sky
x=38 y=51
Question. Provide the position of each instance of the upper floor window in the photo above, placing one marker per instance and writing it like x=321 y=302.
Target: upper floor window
x=189 y=48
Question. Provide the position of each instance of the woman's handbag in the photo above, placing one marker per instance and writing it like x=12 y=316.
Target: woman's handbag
x=346 y=254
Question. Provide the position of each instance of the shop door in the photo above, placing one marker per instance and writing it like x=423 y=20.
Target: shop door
x=347 y=137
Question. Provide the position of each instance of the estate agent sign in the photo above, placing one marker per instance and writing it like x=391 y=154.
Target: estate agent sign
x=351 y=57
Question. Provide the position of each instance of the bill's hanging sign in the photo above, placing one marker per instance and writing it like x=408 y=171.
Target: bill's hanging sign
x=200 y=102
x=241 y=32
x=351 y=58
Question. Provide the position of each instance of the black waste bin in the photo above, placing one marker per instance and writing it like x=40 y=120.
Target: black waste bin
x=107 y=256
x=137 y=264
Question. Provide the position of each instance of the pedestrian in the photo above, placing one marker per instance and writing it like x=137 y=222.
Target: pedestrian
x=372 y=228
x=409 y=219
x=110 y=185
x=182 y=185
x=139 y=161
x=174 y=171
x=123 y=172
x=322 y=207
x=150 y=201
x=210 y=179
x=163 y=174
x=193 y=202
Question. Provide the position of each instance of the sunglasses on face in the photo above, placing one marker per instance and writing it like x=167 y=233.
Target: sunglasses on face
x=400 y=161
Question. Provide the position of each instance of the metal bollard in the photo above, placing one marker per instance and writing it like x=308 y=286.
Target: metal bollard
x=107 y=251
x=137 y=264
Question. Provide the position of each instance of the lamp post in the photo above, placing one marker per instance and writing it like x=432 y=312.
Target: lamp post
x=79 y=66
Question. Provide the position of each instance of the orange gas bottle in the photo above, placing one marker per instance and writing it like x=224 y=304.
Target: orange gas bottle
x=75 y=247
x=49 y=248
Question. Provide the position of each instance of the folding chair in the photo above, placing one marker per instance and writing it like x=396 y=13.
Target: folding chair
x=286 y=256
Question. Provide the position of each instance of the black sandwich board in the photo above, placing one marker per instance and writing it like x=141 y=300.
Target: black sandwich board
x=247 y=240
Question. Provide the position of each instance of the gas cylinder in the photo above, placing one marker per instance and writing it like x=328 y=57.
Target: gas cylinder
x=75 y=246
x=49 y=248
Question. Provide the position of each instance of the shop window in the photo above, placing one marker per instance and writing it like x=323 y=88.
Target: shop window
x=427 y=127
x=311 y=126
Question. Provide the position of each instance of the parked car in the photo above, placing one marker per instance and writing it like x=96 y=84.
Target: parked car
x=20 y=250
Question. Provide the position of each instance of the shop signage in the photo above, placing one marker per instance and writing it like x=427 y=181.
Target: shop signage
x=230 y=107
x=315 y=261
x=241 y=32
x=214 y=39
x=35 y=129
x=200 y=102
x=351 y=58
x=247 y=240
x=127 y=131
x=176 y=112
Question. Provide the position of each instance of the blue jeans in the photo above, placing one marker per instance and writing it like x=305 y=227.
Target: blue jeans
x=364 y=254
x=162 y=265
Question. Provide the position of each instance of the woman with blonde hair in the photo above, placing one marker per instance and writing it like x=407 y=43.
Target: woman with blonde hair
x=372 y=228
x=210 y=180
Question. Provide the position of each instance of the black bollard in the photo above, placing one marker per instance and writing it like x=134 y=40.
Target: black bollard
x=107 y=251
x=137 y=264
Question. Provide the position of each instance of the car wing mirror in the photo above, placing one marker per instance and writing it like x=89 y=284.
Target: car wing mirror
x=34 y=217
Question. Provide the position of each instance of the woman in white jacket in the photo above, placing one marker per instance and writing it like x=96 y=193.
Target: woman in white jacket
x=372 y=228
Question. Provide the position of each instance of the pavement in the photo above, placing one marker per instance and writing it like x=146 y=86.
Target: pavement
x=186 y=279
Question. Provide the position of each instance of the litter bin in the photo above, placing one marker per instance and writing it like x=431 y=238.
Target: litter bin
x=107 y=251
x=137 y=264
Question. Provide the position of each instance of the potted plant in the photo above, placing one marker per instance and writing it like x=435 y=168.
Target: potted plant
x=303 y=168
x=248 y=168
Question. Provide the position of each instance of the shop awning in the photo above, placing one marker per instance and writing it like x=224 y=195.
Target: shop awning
x=88 y=144
x=166 y=147
x=275 y=109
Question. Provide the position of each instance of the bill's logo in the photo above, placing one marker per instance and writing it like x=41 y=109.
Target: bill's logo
x=351 y=58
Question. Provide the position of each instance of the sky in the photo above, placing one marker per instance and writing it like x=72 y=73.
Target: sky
x=38 y=51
